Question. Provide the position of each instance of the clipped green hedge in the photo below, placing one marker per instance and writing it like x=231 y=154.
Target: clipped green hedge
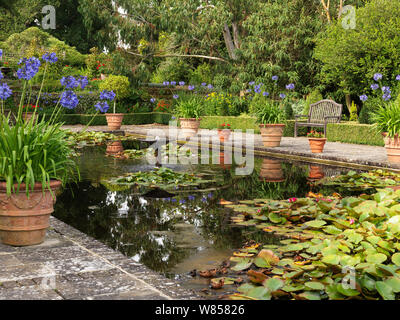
x=129 y=119
x=352 y=132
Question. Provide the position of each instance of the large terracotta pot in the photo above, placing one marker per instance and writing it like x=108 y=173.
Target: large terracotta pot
x=271 y=171
x=114 y=147
x=224 y=161
x=189 y=126
x=316 y=173
x=392 y=145
x=317 y=144
x=23 y=220
x=271 y=134
x=224 y=134
x=114 y=120
x=27 y=116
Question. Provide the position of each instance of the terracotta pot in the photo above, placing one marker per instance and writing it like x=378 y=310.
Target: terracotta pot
x=317 y=144
x=392 y=145
x=27 y=116
x=114 y=147
x=223 y=161
x=189 y=126
x=23 y=220
x=224 y=134
x=114 y=120
x=271 y=171
x=316 y=173
x=271 y=134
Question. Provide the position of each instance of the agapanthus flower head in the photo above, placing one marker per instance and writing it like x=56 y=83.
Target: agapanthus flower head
x=1 y=75
x=386 y=90
x=203 y=84
x=191 y=87
x=166 y=83
x=173 y=83
x=398 y=77
x=251 y=83
x=50 y=57
x=107 y=95
x=290 y=86
x=102 y=106
x=275 y=78
x=30 y=68
x=265 y=94
x=5 y=91
x=175 y=96
x=69 y=99
x=83 y=82
x=248 y=90
x=153 y=100
x=1 y=53
x=363 y=98
x=374 y=86
x=386 y=96
x=377 y=76
x=210 y=86
x=257 y=90
x=69 y=82
x=181 y=83
x=282 y=96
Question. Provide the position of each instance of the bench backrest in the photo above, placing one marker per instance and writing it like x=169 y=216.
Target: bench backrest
x=324 y=108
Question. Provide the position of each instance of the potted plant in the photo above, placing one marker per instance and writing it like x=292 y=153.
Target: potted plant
x=189 y=109
x=387 y=121
x=224 y=131
x=114 y=88
x=28 y=112
x=36 y=161
x=316 y=140
x=271 y=121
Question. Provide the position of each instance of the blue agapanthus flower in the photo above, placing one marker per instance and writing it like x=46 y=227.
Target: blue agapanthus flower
x=69 y=82
x=290 y=86
x=83 y=82
x=257 y=90
x=203 y=84
x=275 y=78
x=363 y=98
x=191 y=87
x=175 y=96
x=210 y=86
x=107 y=95
x=50 y=57
x=398 y=77
x=69 y=99
x=1 y=75
x=152 y=100
x=166 y=83
x=191 y=198
x=386 y=96
x=102 y=106
x=173 y=83
x=386 y=90
x=377 y=76
x=5 y=91
x=181 y=83
x=251 y=83
x=1 y=53
x=30 y=68
x=282 y=96
x=265 y=94
x=374 y=86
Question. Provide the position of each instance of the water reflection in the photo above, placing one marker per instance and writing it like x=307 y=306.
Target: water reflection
x=271 y=170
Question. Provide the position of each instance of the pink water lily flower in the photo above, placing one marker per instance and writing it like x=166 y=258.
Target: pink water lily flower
x=352 y=221
x=292 y=200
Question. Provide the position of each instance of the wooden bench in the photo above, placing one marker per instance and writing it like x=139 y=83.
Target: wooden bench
x=321 y=113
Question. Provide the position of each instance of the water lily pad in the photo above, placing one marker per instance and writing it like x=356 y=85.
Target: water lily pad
x=242 y=264
x=313 y=285
x=396 y=259
x=385 y=290
x=376 y=258
x=273 y=284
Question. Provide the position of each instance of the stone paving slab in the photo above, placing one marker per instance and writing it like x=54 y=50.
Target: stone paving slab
x=364 y=155
x=70 y=265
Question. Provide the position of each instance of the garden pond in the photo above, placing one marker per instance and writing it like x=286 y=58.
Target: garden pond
x=179 y=232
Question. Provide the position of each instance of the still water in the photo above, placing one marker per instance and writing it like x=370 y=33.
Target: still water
x=178 y=231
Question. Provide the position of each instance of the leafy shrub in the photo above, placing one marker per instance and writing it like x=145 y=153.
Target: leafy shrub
x=203 y=73
x=189 y=106
x=172 y=69
x=369 y=108
x=353 y=112
x=118 y=84
x=217 y=104
x=387 y=119
x=270 y=113
x=298 y=107
x=313 y=97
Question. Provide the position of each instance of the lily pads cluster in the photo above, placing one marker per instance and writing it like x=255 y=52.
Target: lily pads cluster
x=163 y=178
x=81 y=139
x=364 y=180
x=333 y=248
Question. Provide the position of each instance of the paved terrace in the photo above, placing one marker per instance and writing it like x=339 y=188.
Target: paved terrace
x=335 y=153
